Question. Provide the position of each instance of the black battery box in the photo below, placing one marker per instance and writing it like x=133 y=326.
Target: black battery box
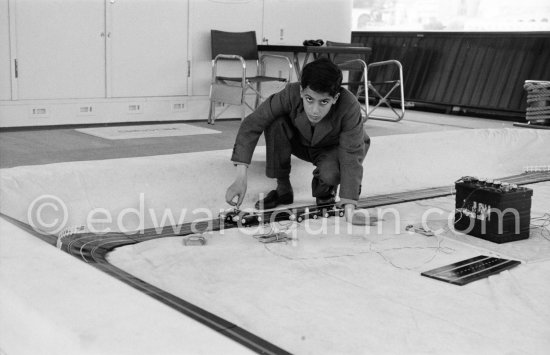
x=492 y=210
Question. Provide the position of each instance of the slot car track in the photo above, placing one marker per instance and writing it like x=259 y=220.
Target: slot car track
x=93 y=249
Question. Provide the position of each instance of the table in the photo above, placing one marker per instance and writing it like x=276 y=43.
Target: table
x=331 y=51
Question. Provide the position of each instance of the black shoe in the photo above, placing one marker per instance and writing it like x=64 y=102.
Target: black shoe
x=323 y=201
x=273 y=200
x=329 y=198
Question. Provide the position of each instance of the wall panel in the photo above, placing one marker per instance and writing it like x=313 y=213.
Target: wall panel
x=473 y=71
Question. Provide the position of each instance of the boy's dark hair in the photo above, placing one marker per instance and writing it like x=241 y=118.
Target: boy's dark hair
x=322 y=75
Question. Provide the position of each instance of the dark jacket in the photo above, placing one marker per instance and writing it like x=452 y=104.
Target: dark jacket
x=342 y=127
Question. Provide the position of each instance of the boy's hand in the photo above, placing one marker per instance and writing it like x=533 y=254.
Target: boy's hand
x=238 y=188
x=356 y=218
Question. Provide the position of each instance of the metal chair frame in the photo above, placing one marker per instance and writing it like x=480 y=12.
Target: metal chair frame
x=351 y=62
x=364 y=74
x=368 y=86
x=384 y=99
x=232 y=90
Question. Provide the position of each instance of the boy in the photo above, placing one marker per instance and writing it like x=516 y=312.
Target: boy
x=317 y=121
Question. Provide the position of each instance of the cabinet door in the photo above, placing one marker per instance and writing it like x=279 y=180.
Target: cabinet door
x=5 y=60
x=60 y=48
x=147 y=47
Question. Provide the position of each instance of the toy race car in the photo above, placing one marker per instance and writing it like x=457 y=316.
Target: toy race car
x=320 y=211
x=236 y=216
x=230 y=216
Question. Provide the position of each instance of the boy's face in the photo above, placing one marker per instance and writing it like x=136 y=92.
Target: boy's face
x=316 y=104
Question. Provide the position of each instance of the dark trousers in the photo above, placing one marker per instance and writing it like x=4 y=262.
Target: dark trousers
x=283 y=140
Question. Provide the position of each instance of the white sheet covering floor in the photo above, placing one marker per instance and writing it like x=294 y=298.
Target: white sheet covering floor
x=364 y=292
x=54 y=304
x=140 y=192
x=340 y=291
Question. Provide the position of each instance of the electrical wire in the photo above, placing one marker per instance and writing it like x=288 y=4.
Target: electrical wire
x=277 y=232
x=543 y=226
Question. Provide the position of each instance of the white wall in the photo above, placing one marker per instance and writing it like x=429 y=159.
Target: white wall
x=298 y=20
x=225 y=15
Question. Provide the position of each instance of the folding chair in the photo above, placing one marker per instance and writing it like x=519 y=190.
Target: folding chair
x=356 y=67
x=385 y=83
x=382 y=88
x=240 y=48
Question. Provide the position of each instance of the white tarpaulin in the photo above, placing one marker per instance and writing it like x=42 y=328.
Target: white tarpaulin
x=331 y=290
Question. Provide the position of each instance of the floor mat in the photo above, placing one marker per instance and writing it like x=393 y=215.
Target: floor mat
x=146 y=131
